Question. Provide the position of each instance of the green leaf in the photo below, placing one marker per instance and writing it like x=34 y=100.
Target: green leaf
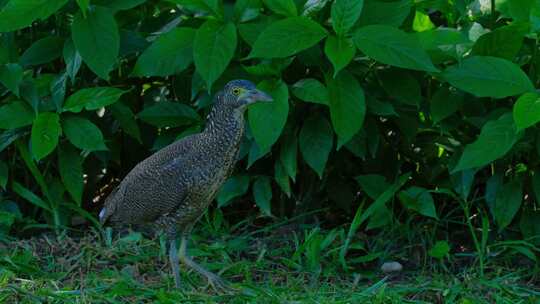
x=439 y=250
x=344 y=14
x=311 y=90
x=169 y=114
x=418 y=199
x=382 y=12
x=504 y=42
x=394 y=47
x=247 y=10
x=251 y=31
x=15 y=115
x=347 y=106
x=234 y=187
x=262 y=192
x=267 y=120
x=507 y=203
x=288 y=154
x=527 y=110
x=213 y=49
x=170 y=54
x=488 y=77
x=92 y=99
x=83 y=5
x=530 y=225
x=11 y=76
x=373 y=184
x=212 y=7
x=444 y=103
x=97 y=39
x=126 y=118
x=45 y=132
x=282 y=178
x=422 y=22
x=316 y=141
x=340 y=51
x=18 y=14
x=43 y=51
x=72 y=58
x=282 y=7
x=30 y=196
x=4 y=173
x=71 y=171
x=287 y=37
x=83 y=134
x=495 y=140
x=119 y=5
x=401 y=85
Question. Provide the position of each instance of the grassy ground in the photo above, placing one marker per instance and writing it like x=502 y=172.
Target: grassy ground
x=277 y=264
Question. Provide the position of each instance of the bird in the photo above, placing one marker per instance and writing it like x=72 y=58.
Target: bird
x=170 y=190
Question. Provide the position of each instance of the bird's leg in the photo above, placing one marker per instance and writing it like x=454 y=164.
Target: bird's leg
x=173 y=258
x=214 y=280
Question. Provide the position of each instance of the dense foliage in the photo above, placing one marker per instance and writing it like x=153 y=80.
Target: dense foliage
x=391 y=114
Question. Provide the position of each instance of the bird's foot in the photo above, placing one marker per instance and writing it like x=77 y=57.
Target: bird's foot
x=218 y=284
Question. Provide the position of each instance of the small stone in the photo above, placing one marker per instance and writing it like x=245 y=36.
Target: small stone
x=389 y=267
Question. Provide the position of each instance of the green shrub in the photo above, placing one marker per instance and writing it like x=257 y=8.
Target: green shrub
x=365 y=92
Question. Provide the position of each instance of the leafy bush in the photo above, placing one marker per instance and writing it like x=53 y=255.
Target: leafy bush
x=430 y=102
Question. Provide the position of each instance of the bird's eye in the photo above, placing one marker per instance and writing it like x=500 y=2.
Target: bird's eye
x=236 y=91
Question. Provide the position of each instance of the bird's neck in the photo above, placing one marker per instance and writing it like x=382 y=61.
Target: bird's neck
x=225 y=126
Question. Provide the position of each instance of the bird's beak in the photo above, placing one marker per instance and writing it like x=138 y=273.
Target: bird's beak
x=253 y=96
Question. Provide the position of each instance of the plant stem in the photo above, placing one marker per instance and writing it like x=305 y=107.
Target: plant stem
x=479 y=249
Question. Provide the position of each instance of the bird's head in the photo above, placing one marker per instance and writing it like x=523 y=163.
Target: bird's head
x=241 y=93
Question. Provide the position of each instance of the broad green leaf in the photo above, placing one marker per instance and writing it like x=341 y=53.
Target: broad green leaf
x=439 y=250
x=530 y=225
x=262 y=192
x=252 y=30
x=344 y=15
x=15 y=115
x=287 y=37
x=347 y=106
x=288 y=154
x=310 y=90
x=267 y=120
x=316 y=141
x=373 y=184
x=394 y=47
x=170 y=54
x=255 y=153
x=92 y=98
x=8 y=137
x=213 y=7
x=441 y=38
x=282 y=7
x=97 y=40
x=495 y=140
x=234 y=187
x=340 y=51
x=421 y=22
x=444 y=103
x=527 y=110
x=11 y=76
x=71 y=171
x=507 y=203
x=485 y=76
x=213 y=49
x=4 y=174
x=169 y=114
x=504 y=42
x=83 y=5
x=18 y=14
x=45 y=132
x=381 y=12
x=119 y=5
x=282 y=178
x=83 y=134
x=72 y=58
x=247 y=10
x=126 y=118
x=30 y=196
x=418 y=199
x=43 y=51
x=380 y=108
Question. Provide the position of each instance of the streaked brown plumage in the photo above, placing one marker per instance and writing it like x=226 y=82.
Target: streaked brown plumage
x=171 y=189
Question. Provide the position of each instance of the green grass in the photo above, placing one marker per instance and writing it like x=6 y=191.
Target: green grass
x=282 y=263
